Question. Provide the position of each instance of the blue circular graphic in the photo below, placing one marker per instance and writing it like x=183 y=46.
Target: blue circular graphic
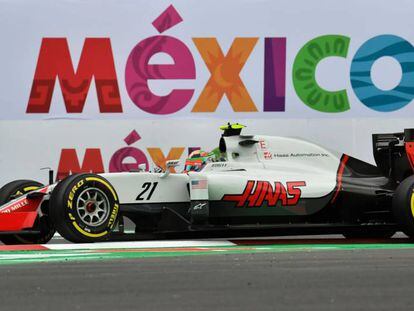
x=361 y=81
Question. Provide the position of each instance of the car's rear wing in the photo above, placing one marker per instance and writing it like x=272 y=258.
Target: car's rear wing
x=394 y=154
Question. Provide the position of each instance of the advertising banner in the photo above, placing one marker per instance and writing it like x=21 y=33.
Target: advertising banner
x=105 y=85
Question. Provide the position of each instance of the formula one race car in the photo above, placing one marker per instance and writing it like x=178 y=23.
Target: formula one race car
x=250 y=182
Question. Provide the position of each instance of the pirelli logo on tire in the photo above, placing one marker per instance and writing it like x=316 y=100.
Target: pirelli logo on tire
x=73 y=191
x=113 y=216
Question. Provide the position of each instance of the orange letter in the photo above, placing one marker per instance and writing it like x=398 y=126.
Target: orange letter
x=225 y=77
x=159 y=159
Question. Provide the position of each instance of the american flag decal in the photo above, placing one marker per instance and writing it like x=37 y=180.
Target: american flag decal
x=199 y=184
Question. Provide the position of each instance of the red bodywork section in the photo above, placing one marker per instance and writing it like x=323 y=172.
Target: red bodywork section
x=339 y=175
x=21 y=213
x=17 y=221
x=409 y=150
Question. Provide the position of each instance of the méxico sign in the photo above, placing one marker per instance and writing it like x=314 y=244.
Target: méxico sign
x=108 y=85
x=96 y=62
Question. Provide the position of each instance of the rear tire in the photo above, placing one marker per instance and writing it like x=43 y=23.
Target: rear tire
x=13 y=190
x=403 y=206
x=84 y=208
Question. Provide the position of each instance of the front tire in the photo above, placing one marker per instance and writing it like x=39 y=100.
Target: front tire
x=18 y=188
x=85 y=208
x=403 y=206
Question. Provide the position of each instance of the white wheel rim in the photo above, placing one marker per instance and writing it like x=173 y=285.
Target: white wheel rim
x=93 y=207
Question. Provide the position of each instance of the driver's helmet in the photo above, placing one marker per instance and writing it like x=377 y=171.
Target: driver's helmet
x=196 y=161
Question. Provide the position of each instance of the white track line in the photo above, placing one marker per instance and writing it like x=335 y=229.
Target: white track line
x=139 y=244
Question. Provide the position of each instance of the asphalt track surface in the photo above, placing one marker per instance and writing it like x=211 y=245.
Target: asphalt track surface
x=270 y=274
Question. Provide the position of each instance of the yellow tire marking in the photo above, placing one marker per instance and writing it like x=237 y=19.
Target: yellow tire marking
x=105 y=183
x=91 y=235
x=30 y=188
x=412 y=204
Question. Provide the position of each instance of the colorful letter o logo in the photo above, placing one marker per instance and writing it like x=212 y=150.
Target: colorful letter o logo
x=361 y=80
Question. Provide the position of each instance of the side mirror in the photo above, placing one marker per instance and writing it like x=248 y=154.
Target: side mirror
x=170 y=164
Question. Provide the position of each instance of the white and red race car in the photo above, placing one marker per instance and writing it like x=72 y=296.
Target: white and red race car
x=252 y=182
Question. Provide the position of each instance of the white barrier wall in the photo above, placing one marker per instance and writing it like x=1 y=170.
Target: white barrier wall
x=77 y=78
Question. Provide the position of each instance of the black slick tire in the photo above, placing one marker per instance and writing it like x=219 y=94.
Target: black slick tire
x=84 y=208
x=403 y=206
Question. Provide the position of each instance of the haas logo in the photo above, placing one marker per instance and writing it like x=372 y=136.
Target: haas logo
x=256 y=193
